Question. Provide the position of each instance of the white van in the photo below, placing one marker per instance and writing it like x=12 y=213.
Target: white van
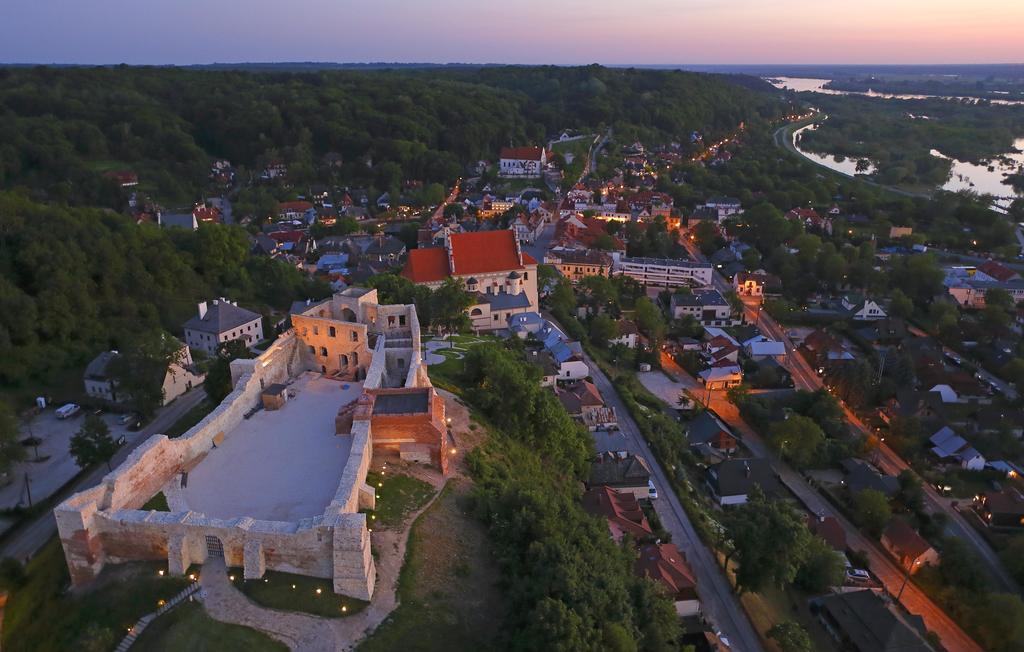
x=67 y=411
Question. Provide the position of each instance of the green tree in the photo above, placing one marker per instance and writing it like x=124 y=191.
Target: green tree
x=911 y=491
x=871 y=511
x=602 y=329
x=900 y=304
x=11 y=450
x=448 y=304
x=770 y=542
x=1012 y=556
x=138 y=372
x=798 y=438
x=791 y=637
x=999 y=621
x=218 y=376
x=650 y=321
x=93 y=443
x=823 y=567
x=563 y=299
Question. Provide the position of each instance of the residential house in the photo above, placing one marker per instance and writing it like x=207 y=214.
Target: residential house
x=862 y=309
x=861 y=621
x=725 y=206
x=500 y=276
x=296 y=210
x=567 y=354
x=731 y=481
x=578 y=232
x=824 y=350
x=947 y=445
x=702 y=214
x=1003 y=508
x=177 y=220
x=723 y=377
x=576 y=265
x=665 y=564
x=123 y=178
x=666 y=272
x=997 y=418
x=810 y=219
x=582 y=401
x=629 y=474
x=621 y=511
x=524 y=324
x=706 y=305
x=761 y=347
x=909 y=548
x=180 y=376
x=522 y=162
x=610 y=442
x=221 y=321
x=707 y=431
x=860 y=475
x=829 y=529
x=757 y=284
x=628 y=334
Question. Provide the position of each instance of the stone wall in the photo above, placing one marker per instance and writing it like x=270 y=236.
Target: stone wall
x=104 y=525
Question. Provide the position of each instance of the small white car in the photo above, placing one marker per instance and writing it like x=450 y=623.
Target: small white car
x=652 y=492
x=857 y=575
x=67 y=411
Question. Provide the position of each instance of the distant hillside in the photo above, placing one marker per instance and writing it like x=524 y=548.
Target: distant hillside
x=62 y=128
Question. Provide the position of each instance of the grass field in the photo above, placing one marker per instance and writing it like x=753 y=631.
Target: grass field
x=288 y=592
x=188 y=627
x=397 y=496
x=448 y=586
x=40 y=616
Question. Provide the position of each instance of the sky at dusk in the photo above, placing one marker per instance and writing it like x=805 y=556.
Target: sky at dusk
x=521 y=31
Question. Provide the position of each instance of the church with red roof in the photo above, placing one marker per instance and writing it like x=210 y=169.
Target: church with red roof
x=494 y=269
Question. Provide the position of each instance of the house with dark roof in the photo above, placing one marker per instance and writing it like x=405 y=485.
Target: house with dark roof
x=220 y=321
x=947 y=445
x=629 y=474
x=859 y=475
x=829 y=529
x=620 y=509
x=757 y=284
x=706 y=430
x=583 y=401
x=1004 y=508
x=666 y=564
x=909 y=548
x=731 y=481
x=861 y=621
x=501 y=277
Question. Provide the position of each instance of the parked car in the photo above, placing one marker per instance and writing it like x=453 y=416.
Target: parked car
x=652 y=492
x=69 y=410
x=125 y=419
x=858 y=576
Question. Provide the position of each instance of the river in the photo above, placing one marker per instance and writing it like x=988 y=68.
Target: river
x=984 y=178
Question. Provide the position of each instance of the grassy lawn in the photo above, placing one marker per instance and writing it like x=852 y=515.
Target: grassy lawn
x=189 y=419
x=774 y=605
x=41 y=617
x=157 y=502
x=288 y=592
x=397 y=496
x=448 y=587
x=187 y=627
x=446 y=374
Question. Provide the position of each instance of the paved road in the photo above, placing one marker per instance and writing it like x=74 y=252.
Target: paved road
x=31 y=536
x=717 y=599
x=890 y=574
x=806 y=378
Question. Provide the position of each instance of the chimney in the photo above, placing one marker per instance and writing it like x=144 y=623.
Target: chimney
x=202 y=309
x=215 y=301
x=746 y=469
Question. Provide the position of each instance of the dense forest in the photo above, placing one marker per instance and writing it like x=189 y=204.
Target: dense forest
x=76 y=281
x=898 y=135
x=62 y=128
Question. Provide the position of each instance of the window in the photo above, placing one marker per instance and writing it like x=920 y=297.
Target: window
x=316 y=330
x=401 y=320
x=312 y=349
x=355 y=336
x=496 y=316
x=332 y=332
x=526 y=275
x=323 y=351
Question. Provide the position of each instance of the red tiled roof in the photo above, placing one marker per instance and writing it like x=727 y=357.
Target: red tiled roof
x=286 y=236
x=620 y=509
x=665 y=563
x=522 y=153
x=426 y=265
x=297 y=206
x=905 y=539
x=480 y=252
x=830 y=530
x=997 y=271
x=207 y=214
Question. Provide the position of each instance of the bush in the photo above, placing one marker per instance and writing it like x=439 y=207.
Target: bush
x=12 y=572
